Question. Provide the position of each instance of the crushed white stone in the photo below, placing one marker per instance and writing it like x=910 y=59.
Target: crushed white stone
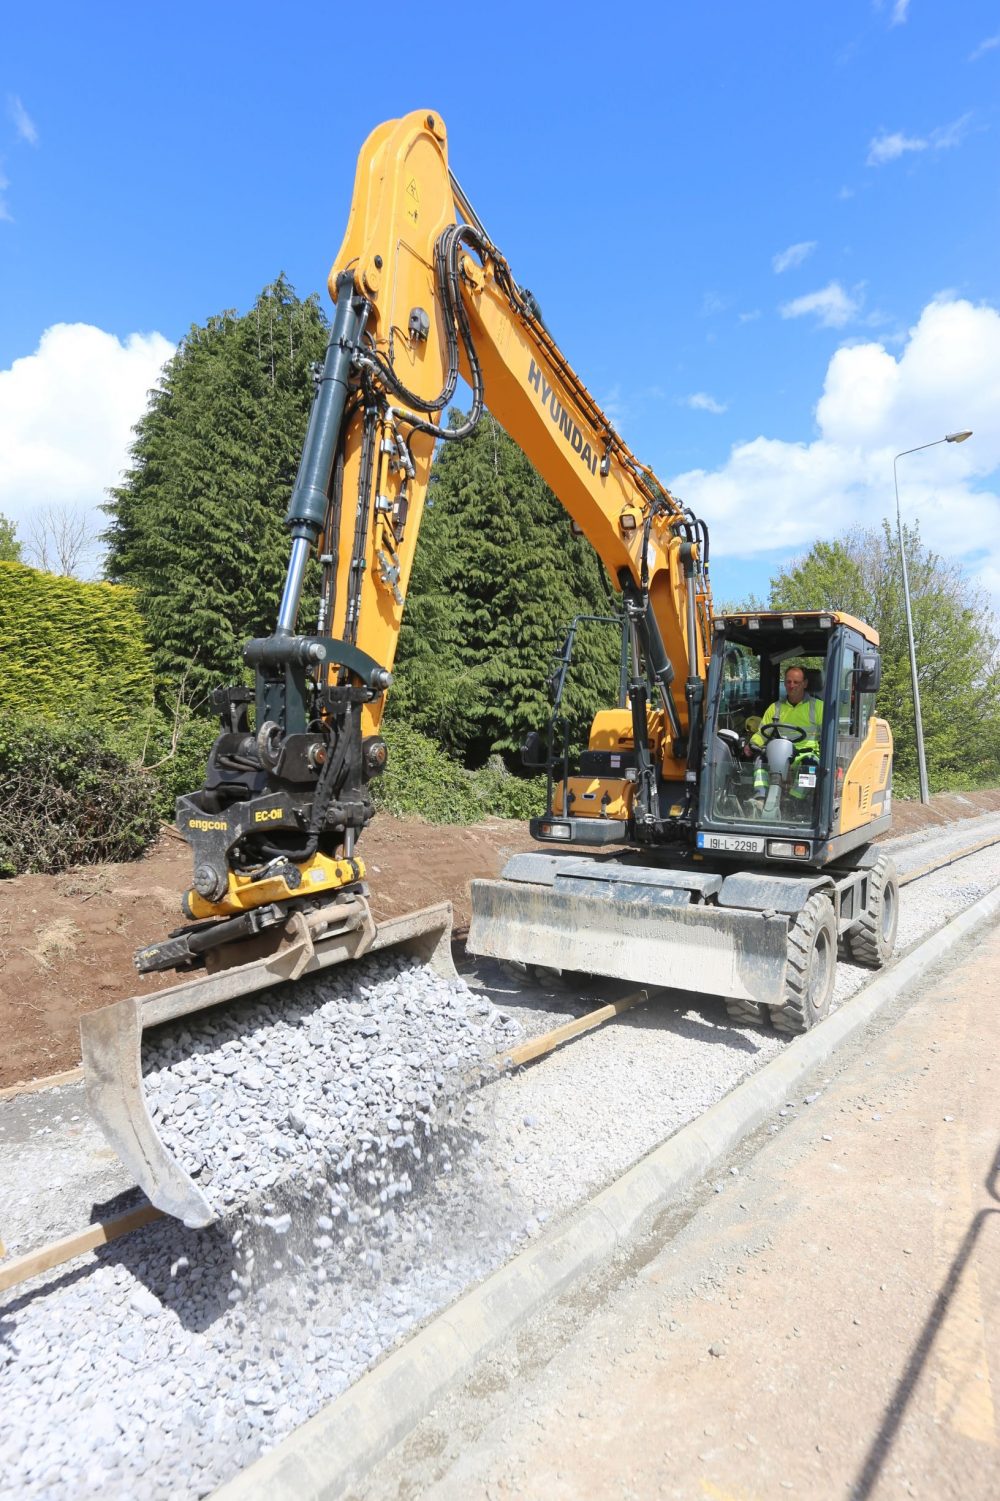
x=171 y=1359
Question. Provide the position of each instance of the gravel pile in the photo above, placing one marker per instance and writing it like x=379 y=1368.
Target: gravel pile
x=145 y=1377
x=330 y=1126
x=341 y=1074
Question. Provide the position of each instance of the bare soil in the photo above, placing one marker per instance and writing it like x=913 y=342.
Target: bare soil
x=66 y=942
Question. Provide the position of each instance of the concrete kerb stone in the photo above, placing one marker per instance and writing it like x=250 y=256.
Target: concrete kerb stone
x=331 y=1453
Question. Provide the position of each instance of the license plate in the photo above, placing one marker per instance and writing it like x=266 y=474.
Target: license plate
x=743 y=844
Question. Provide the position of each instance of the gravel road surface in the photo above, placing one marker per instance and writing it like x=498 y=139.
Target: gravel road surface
x=827 y=1325
x=171 y=1359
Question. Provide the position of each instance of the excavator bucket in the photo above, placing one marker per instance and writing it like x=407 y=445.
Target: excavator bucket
x=111 y=1038
x=646 y=925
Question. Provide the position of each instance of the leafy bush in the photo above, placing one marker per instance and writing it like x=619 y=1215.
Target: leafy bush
x=175 y=756
x=420 y=778
x=71 y=797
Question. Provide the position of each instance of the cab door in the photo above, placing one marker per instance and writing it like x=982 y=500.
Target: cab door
x=863 y=745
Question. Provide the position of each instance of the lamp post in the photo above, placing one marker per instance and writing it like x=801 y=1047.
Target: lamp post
x=960 y=437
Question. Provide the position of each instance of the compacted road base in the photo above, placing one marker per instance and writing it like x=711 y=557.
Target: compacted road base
x=826 y=1324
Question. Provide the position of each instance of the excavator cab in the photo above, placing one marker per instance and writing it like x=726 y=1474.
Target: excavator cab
x=806 y=786
x=802 y=788
x=705 y=885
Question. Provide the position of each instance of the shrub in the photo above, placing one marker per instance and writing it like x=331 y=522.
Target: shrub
x=420 y=778
x=176 y=757
x=71 y=797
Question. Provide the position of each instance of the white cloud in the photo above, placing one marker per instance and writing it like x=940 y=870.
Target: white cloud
x=899 y=10
x=786 y=260
x=751 y=316
x=702 y=402
x=951 y=135
x=23 y=123
x=832 y=305
x=774 y=495
x=66 y=414
x=889 y=146
x=986 y=45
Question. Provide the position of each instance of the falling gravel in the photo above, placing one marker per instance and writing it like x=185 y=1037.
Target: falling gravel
x=184 y=1355
x=343 y=1074
x=331 y=1129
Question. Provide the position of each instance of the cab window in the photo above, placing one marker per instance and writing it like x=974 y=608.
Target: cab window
x=848 y=702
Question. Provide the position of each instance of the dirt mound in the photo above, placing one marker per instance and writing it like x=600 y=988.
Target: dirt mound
x=66 y=942
x=944 y=807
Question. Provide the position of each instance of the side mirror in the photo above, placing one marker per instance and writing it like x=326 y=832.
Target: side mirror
x=533 y=756
x=869 y=674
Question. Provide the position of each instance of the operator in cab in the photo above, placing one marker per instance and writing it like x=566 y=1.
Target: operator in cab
x=800 y=711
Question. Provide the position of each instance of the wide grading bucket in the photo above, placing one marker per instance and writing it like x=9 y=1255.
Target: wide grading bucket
x=641 y=924
x=111 y=1039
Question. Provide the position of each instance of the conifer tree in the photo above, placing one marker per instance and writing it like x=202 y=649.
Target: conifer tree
x=498 y=576
x=196 y=524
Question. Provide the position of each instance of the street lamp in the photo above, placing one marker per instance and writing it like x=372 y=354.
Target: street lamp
x=959 y=437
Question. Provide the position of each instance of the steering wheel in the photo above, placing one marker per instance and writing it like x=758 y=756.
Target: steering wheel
x=778 y=731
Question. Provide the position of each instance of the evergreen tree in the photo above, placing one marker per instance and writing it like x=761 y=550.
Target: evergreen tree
x=196 y=524
x=10 y=547
x=497 y=578
x=955 y=637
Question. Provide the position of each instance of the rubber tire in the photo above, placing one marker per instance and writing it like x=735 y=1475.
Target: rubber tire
x=746 y=1013
x=568 y=980
x=512 y=969
x=872 y=941
x=812 y=968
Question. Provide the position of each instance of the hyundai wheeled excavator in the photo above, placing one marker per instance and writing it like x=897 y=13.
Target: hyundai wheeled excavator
x=657 y=863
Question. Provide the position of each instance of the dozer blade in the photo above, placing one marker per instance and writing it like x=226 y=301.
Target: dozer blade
x=111 y=1039
x=647 y=933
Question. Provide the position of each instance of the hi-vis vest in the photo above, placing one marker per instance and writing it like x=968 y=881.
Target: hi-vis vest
x=808 y=715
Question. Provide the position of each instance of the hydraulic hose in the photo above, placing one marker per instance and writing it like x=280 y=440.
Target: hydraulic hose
x=448 y=273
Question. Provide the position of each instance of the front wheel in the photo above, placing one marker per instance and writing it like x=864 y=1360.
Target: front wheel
x=812 y=967
x=746 y=1013
x=871 y=943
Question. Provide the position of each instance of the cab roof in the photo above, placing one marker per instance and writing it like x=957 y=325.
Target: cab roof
x=807 y=619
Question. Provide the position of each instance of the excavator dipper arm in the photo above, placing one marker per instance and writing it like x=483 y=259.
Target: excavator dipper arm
x=422 y=296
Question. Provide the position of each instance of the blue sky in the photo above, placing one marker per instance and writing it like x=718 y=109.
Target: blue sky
x=766 y=235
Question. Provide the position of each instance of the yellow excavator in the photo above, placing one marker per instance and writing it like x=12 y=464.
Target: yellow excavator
x=693 y=846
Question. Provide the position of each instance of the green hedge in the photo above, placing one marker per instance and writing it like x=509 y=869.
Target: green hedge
x=71 y=649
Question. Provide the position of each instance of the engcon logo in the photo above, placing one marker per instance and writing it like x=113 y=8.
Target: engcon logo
x=207 y=823
x=562 y=419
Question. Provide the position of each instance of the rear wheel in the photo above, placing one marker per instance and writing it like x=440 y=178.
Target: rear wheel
x=812 y=967
x=871 y=943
